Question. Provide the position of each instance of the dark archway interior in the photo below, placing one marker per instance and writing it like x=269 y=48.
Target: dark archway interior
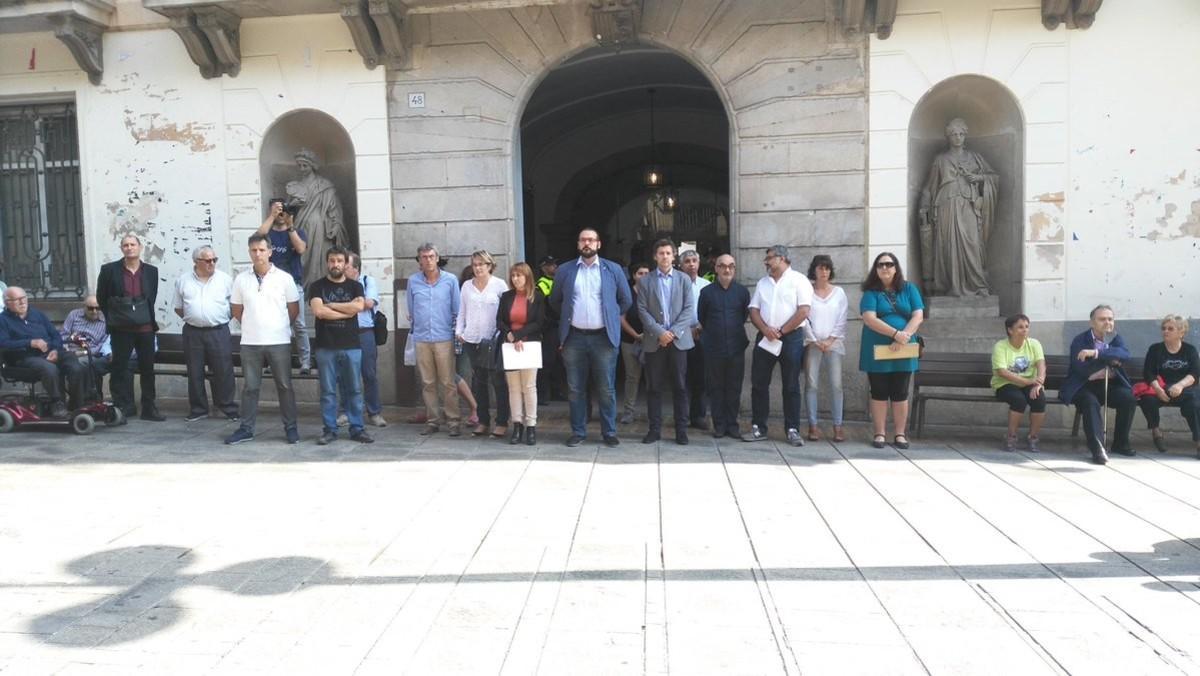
x=996 y=131
x=323 y=135
x=586 y=143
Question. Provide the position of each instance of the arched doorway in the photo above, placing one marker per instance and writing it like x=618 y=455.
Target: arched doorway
x=996 y=130
x=591 y=131
x=334 y=150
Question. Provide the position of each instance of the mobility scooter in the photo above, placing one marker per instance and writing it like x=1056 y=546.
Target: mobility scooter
x=21 y=410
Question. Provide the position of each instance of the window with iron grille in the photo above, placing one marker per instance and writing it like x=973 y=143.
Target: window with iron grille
x=41 y=218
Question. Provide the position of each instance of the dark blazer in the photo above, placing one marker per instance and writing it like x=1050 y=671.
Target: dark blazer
x=678 y=319
x=111 y=284
x=615 y=298
x=535 y=316
x=1079 y=371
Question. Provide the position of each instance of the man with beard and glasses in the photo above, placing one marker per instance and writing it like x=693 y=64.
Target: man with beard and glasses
x=590 y=294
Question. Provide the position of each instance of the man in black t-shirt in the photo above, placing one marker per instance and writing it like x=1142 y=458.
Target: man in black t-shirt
x=335 y=301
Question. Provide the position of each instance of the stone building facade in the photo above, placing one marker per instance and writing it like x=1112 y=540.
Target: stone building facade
x=465 y=121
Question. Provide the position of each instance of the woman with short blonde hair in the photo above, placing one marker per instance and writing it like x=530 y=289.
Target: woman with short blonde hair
x=1172 y=370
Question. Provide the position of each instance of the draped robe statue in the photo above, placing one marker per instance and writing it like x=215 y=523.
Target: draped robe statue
x=957 y=208
x=320 y=215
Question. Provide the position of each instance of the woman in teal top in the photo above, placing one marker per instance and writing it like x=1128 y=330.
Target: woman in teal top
x=892 y=311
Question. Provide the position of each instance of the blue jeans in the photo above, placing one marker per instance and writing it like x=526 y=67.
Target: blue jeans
x=791 y=364
x=370 y=372
x=340 y=372
x=584 y=355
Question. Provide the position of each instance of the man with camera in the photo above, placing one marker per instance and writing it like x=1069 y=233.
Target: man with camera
x=288 y=244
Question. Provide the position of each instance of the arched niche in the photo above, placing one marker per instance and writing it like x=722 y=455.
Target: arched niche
x=997 y=131
x=322 y=134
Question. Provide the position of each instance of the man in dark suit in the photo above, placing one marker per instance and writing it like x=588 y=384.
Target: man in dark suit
x=127 y=290
x=1092 y=354
x=664 y=300
x=590 y=294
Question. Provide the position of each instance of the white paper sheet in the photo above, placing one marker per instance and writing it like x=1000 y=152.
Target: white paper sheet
x=773 y=346
x=528 y=358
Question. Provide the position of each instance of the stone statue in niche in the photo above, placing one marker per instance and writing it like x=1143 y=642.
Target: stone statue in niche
x=318 y=212
x=957 y=207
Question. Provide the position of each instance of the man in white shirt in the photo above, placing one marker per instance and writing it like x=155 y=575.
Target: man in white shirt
x=202 y=300
x=779 y=310
x=689 y=262
x=265 y=301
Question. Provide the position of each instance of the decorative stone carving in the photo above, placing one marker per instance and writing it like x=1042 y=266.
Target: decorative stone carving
x=388 y=17
x=85 y=41
x=362 y=31
x=957 y=209
x=211 y=36
x=868 y=16
x=615 y=23
x=1073 y=13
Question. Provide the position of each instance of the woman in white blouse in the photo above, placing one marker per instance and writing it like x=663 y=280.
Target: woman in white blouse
x=825 y=343
x=476 y=329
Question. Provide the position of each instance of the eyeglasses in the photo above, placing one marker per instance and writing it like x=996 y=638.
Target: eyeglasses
x=208 y=260
x=726 y=265
x=92 y=308
x=21 y=299
x=585 y=240
x=885 y=264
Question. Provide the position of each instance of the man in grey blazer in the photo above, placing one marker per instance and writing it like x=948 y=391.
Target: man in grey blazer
x=667 y=308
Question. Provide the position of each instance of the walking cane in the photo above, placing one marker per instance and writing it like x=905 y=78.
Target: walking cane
x=1104 y=410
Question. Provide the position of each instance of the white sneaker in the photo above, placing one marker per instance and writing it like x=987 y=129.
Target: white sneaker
x=377 y=420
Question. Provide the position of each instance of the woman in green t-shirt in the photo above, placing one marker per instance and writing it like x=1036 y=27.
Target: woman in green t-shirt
x=1018 y=379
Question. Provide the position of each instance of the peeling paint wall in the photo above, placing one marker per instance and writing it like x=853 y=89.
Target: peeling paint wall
x=1112 y=152
x=173 y=157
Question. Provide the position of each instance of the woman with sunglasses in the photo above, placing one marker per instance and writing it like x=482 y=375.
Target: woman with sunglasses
x=1171 y=370
x=892 y=311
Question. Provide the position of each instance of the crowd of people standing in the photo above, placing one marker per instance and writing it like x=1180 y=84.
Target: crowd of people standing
x=498 y=341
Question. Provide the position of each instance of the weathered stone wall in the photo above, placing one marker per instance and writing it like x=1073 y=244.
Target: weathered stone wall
x=794 y=92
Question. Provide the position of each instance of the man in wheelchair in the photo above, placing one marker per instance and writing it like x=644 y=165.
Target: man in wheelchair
x=31 y=343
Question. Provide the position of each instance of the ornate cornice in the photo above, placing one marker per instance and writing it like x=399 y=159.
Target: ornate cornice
x=615 y=23
x=85 y=40
x=211 y=36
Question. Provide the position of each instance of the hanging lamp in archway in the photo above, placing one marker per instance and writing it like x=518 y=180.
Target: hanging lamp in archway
x=653 y=176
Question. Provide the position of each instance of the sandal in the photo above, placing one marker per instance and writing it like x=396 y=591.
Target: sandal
x=814 y=434
x=902 y=445
x=839 y=434
x=879 y=441
x=500 y=432
x=1160 y=443
x=479 y=431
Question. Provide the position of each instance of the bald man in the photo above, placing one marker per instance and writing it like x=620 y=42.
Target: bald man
x=29 y=341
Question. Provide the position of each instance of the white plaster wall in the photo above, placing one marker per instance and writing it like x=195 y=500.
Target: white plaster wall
x=174 y=157
x=1110 y=142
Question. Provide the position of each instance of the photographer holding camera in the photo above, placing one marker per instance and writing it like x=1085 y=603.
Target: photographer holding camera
x=288 y=244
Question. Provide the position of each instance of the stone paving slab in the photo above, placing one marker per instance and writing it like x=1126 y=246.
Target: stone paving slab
x=154 y=548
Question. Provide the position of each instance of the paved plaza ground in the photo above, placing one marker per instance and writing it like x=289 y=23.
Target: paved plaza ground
x=152 y=548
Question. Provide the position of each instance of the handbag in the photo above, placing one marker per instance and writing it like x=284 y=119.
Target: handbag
x=487 y=353
x=124 y=311
x=381 y=329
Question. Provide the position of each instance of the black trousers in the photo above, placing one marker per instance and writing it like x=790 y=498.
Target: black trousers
x=52 y=376
x=697 y=392
x=209 y=347
x=1089 y=400
x=1018 y=398
x=723 y=379
x=667 y=368
x=1188 y=404
x=484 y=383
x=123 y=345
x=552 y=377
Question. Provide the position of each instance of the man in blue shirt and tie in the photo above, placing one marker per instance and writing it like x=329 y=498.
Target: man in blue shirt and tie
x=590 y=294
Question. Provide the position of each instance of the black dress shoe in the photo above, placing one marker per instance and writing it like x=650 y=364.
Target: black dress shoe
x=681 y=437
x=531 y=436
x=1126 y=451
x=517 y=431
x=612 y=441
x=651 y=437
x=151 y=413
x=1099 y=456
x=717 y=434
x=574 y=440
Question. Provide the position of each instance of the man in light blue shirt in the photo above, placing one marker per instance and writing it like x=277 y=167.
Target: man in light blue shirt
x=366 y=339
x=591 y=294
x=433 y=299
